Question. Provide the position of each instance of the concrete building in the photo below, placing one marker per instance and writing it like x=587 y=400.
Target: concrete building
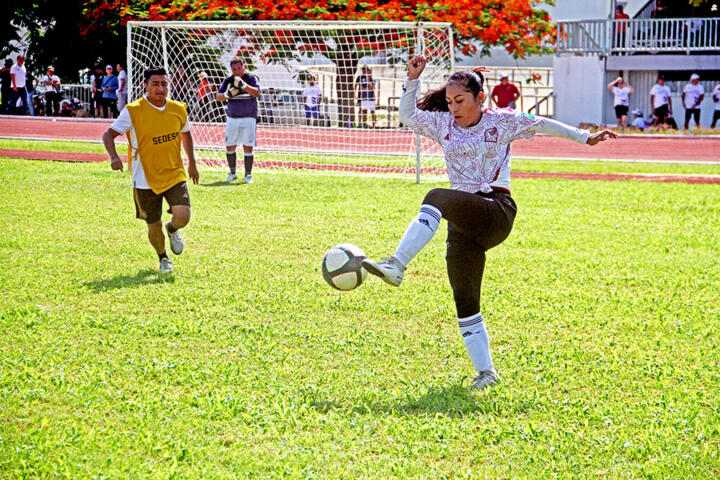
x=669 y=38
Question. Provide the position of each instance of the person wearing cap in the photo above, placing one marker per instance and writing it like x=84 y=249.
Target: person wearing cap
x=52 y=92
x=640 y=122
x=716 y=101
x=660 y=101
x=18 y=76
x=622 y=91
x=110 y=86
x=505 y=93
x=692 y=96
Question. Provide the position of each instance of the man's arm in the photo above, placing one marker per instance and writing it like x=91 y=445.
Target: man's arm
x=108 y=139
x=700 y=99
x=122 y=83
x=12 y=78
x=48 y=81
x=187 y=143
x=652 y=103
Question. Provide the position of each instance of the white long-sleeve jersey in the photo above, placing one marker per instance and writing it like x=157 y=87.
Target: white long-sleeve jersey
x=478 y=157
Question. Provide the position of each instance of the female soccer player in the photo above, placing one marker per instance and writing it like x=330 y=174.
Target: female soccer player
x=478 y=206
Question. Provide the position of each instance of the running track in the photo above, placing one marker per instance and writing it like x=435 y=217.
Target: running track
x=626 y=148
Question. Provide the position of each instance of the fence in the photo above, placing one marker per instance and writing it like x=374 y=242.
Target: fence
x=621 y=36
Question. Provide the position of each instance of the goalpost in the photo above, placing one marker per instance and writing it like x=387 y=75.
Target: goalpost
x=359 y=67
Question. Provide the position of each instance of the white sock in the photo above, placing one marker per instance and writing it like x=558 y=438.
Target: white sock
x=477 y=342
x=418 y=234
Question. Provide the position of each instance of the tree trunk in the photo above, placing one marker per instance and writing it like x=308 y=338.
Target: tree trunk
x=346 y=61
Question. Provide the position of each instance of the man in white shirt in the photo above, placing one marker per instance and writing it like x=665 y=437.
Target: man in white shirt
x=122 y=91
x=52 y=92
x=692 y=96
x=716 y=100
x=660 y=101
x=18 y=74
x=312 y=96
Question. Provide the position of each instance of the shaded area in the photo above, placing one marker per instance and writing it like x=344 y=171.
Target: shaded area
x=143 y=277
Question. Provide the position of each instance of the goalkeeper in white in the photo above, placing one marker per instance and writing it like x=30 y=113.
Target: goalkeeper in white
x=478 y=207
x=241 y=90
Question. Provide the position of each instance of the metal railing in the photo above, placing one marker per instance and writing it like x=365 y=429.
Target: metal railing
x=620 y=37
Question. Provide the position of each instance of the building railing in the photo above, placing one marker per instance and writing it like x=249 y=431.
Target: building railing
x=622 y=37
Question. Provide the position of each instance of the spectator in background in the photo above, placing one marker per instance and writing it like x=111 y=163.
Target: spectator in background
x=122 y=90
x=661 y=10
x=620 y=27
x=366 y=88
x=622 y=90
x=205 y=97
x=505 y=93
x=640 y=122
x=692 y=96
x=96 y=89
x=180 y=86
x=6 y=88
x=18 y=74
x=30 y=85
x=52 y=92
x=109 y=93
x=312 y=95
x=660 y=101
x=716 y=100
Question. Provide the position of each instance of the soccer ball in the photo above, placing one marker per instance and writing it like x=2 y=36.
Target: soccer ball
x=341 y=266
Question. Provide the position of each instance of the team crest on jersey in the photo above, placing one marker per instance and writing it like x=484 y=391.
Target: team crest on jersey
x=491 y=135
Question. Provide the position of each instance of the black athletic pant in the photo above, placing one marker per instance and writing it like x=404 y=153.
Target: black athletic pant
x=476 y=223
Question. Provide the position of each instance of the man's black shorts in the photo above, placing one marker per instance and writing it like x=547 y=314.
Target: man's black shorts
x=621 y=110
x=148 y=204
x=661 y=111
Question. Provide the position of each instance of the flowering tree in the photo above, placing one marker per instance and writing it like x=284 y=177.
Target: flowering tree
x=518 y=25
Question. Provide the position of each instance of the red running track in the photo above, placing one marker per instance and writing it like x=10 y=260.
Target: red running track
x=99 y=157
x=303 y=139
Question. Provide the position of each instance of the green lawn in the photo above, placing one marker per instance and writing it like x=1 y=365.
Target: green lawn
x=603 y=309
x=519 y=165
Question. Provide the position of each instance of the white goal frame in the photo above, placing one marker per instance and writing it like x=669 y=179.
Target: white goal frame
x=421 y=151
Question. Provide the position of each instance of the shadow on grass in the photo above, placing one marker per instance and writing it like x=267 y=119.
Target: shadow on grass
x=143 y=277
x=452 y=400
x=222 y=183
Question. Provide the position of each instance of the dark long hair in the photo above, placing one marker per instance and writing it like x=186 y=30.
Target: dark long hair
x=471 y=80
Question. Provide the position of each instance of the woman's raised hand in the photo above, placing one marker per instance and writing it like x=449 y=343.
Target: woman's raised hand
x=596 y=138
x=416 y=66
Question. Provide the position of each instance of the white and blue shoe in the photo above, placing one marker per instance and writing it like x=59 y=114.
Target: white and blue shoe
x=389 y=269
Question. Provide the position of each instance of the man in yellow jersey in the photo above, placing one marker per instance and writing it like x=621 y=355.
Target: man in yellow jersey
x=157 y=127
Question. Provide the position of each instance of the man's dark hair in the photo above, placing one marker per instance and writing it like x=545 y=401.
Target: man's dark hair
x=237 y=60
x=150 y=71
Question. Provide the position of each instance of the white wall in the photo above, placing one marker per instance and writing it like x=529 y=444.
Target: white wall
x=580 y=89
x=589 y=9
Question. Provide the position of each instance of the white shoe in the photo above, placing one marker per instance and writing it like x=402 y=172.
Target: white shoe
x=231 y=177
x=248 y=178
x=485 y=379
x=176 y=242
x=389 y=269
x=166 y=266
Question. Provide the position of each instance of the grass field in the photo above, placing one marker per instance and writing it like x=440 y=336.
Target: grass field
x=603 y=309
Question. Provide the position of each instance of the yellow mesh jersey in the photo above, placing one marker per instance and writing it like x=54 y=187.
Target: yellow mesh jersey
x=158 y=139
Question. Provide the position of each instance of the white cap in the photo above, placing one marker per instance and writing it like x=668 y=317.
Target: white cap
x=504 y=75
x=202 y=75
x=694 y=76
x=108 y=66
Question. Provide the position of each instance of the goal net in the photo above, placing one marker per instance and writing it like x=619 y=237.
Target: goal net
x=347 y=123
